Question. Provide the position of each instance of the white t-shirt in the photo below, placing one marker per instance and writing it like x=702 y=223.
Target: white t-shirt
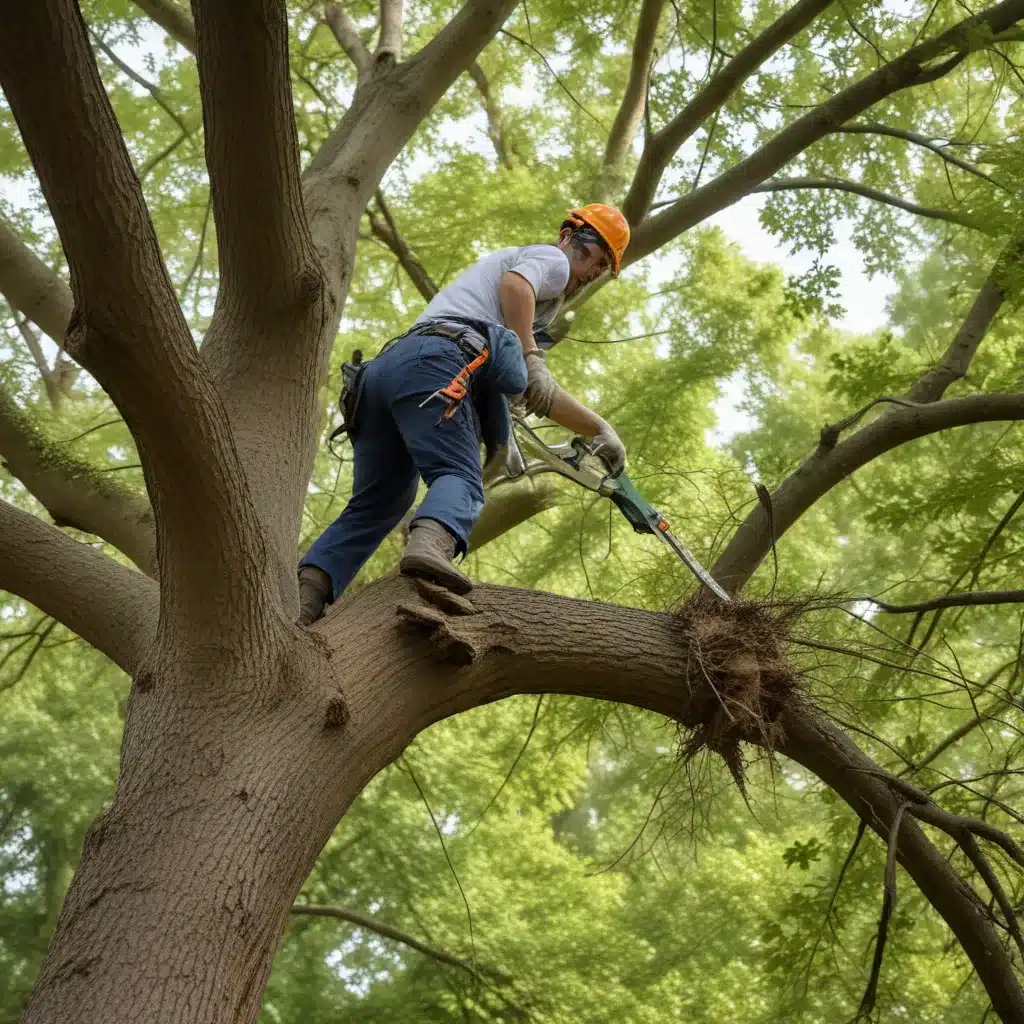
x=474 y=293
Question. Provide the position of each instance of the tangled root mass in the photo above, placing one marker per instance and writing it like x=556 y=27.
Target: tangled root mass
x=740 y=677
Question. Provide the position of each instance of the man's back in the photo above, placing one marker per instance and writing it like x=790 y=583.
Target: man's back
x=475 y=292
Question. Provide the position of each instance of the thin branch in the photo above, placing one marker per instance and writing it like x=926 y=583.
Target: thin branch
x=50 y=377
x=158 y=158
x=970 y=846
x=554 y=74
x=661 y=147
x=383 y=226
x=631 y=109
x=874 y=128
x=154 y=90
x=388 y=931
x=495 y=121
x=867 y=1003
x=963 y=600
x=512 y=768
x=451 y=867
x=924 y=63
x=855 y=188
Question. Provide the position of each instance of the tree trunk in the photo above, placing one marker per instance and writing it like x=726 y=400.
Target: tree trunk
x=226 y=798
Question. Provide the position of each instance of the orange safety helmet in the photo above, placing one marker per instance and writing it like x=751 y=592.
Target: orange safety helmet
x=608 y=223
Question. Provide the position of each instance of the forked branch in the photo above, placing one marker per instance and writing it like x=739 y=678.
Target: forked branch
x=127 y=328
x=921 y=64
x=663 y=145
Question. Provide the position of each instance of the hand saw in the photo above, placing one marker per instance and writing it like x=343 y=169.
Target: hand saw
x=577 y=462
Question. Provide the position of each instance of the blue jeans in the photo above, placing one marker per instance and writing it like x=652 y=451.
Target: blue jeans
x=397 y=442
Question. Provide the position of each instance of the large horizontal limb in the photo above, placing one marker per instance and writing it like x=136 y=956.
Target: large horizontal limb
x=127 y=328
x=399 y=643
x=919 y=65
x=663 y=145
x=109 y=606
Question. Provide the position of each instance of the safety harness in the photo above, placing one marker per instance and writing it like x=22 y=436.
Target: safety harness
x=466 y=335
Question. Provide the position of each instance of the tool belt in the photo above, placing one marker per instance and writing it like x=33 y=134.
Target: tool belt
x=464 y=333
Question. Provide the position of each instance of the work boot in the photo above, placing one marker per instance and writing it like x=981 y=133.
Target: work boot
x=314 y=593
x=428 y=555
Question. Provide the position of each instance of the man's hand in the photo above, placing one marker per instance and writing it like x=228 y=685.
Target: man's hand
x=611 y=451
x=540 y=385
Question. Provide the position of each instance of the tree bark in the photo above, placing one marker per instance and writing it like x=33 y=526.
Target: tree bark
x=228 y=791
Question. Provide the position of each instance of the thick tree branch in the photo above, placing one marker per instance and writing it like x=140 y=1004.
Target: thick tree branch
x=73 y=492
x=877 y=799
x=389 y=46
x=399 y=641
x=127 y=328
x=173 y=19
x=634 y=100
x=383 y=226
x=495 y=121
x=663 y=145
x=385 y=930
x=842 y=185
x=822 y=470
x=31 y=287
x=830 y=465
x=873 y=128
x=268 y=268
x=919 y=65
x=109 y=606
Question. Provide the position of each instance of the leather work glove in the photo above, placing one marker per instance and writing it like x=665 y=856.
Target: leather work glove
x=609 y=449
x=540 y=385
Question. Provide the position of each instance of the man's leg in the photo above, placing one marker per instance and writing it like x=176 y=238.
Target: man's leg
x=383 y=490
x=447 y=456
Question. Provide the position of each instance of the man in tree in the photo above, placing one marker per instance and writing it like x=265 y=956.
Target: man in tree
x=400 y=436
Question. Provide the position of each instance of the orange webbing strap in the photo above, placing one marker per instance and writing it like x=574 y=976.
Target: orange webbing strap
x=455 y=391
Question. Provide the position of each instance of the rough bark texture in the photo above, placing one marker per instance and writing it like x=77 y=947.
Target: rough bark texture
x=246 y=738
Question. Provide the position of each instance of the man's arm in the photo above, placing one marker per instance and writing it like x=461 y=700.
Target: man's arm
x=518 y=307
